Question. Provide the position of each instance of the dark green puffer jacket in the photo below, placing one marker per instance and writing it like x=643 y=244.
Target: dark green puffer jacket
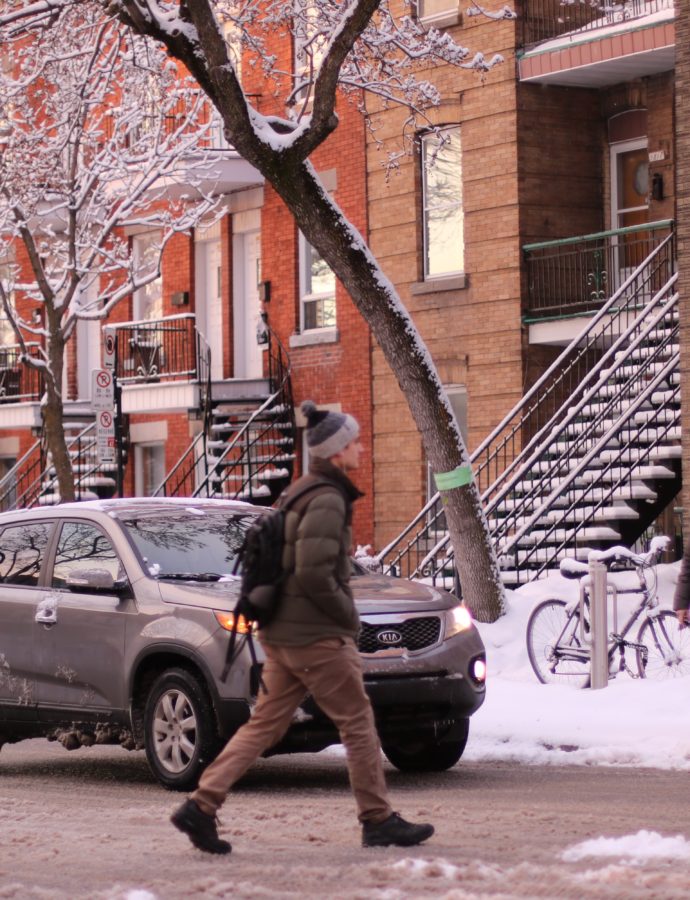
x=317 y=599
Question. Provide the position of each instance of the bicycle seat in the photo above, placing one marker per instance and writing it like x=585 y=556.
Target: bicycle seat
x=573 y=568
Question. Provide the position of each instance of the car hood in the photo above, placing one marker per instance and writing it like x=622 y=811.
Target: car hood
x=373 y=594
x=383 y=593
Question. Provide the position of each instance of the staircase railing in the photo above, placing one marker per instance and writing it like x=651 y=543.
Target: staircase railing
x=255 y=450
x=14 y=483
x=192 y=467
x=416 y=551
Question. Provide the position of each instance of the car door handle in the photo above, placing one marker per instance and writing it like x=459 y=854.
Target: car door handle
x=46 y=612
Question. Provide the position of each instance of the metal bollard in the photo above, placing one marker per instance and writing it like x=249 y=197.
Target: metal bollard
x=599 y=663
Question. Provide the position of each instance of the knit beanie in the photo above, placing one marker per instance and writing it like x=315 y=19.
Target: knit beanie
x=328 y=432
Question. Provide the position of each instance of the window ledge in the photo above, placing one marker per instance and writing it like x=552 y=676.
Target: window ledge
x=436 y=285
x=315 y=336
x=443 y=19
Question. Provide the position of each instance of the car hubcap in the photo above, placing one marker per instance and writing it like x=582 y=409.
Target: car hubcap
x=174 y=731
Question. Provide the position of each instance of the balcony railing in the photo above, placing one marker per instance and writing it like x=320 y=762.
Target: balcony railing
x=19 y=383
x=160 y=351
x=543 y=20
x=576 y=275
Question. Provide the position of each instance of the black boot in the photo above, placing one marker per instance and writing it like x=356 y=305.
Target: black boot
x=200 y=828
x=394 y=830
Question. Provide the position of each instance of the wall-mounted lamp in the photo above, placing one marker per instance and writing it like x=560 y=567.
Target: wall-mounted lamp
x=265 y=291
x=657 y=186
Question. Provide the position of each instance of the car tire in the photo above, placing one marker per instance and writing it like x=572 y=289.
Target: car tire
x=180 y=733
x=429 y=754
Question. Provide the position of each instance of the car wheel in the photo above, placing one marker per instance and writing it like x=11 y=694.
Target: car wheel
x=429 y=754
x=180 y=733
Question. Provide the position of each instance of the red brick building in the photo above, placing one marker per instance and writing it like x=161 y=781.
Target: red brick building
x=567 y=158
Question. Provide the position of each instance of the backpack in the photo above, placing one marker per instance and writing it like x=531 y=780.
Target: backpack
x=261 y=558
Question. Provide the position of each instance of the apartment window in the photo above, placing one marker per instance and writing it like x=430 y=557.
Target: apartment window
x=317 y=289
x=148 y=300
x=149 y=471
x=444 y=250
x=438 y=13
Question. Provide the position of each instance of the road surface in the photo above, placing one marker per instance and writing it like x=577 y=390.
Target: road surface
x=93 y=824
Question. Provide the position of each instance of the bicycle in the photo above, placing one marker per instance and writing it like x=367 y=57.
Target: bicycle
x=557 y=639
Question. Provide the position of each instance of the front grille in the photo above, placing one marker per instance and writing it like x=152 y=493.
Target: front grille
x=416 y=633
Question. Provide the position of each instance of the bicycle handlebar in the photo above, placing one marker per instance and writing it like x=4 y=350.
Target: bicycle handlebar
x=573 y=568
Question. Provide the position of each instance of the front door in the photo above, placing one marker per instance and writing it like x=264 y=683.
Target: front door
x=630 y=203
x=79 y=650
x=246 y=305
x=209 y=310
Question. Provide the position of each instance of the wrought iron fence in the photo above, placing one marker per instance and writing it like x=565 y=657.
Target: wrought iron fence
x=578 y=274
x=159 y=350
x=19 y=381
x=543 y=20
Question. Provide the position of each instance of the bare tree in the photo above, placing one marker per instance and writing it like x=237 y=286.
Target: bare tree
x=356 y=48
x=95 y=122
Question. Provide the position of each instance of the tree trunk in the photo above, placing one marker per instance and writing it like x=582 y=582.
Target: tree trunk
x=325 y=227
x=53 y=425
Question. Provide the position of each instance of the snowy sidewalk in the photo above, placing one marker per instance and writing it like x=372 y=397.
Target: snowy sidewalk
x=629 y=723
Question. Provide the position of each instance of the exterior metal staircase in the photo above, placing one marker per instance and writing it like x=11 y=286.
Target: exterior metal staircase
x=246 y=448
x=32 y=481
x=591 y=454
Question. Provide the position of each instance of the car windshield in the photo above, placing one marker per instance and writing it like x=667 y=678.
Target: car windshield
x=188 y=542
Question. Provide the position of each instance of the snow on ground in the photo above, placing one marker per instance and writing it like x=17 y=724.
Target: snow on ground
x=629 y=723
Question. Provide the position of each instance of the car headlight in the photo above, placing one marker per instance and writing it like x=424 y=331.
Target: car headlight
x=457 y=619
x=226 y=620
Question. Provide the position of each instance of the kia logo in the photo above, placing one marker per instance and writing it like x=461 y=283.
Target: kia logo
x=389 y=637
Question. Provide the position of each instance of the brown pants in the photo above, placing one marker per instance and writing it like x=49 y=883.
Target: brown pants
x=331 y=671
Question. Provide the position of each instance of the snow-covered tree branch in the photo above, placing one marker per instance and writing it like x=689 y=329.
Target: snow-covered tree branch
x=338 y=47
x=95 y=123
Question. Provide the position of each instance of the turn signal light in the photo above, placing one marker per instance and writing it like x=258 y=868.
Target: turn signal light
x=226 y=620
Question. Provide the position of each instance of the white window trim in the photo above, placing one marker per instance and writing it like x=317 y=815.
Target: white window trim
x=307 y=298
x=136 y=260
x=437 y=276
x=442 y=19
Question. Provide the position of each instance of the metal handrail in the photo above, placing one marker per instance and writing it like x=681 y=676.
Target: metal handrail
x=281 y=396
x=20 y=471
x=494 y=450
x=157 y=350
x=544 y=20
x=574 y=275
x=187 y=465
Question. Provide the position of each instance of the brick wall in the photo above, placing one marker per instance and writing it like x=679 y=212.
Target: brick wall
x=473 y=333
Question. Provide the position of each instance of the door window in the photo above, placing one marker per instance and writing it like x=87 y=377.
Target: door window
x=22 y=551
x=84 y=546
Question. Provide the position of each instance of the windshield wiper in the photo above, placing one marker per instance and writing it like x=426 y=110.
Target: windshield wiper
x=189 y=576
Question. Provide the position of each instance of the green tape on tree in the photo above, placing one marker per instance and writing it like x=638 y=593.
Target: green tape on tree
x=446 y=481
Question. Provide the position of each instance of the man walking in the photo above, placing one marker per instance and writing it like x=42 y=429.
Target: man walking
x=310 y=648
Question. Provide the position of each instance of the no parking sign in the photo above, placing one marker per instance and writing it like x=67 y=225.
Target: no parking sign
x=105 y=436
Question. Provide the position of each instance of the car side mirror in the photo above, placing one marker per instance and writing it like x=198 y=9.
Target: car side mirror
x=94 y=580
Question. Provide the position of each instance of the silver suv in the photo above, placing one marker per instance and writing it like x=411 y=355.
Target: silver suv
x=114 y=624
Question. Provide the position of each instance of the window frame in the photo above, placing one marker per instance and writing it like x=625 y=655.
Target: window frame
x=48 y=552
x=138 y=299
x=427 y=207
x=304 y=250
x=448 y=15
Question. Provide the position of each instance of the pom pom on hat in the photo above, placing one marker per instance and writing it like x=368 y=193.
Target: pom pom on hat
x=328 y=432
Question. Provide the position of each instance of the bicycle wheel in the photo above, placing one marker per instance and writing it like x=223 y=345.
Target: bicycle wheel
x=554 y=645
x=668 y=647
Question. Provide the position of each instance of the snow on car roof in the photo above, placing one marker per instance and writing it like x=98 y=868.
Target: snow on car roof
x=116 y=507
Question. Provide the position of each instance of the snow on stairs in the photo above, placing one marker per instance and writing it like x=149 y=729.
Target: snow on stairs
x=255 y=461
x=93 y=479
x=567 y=504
